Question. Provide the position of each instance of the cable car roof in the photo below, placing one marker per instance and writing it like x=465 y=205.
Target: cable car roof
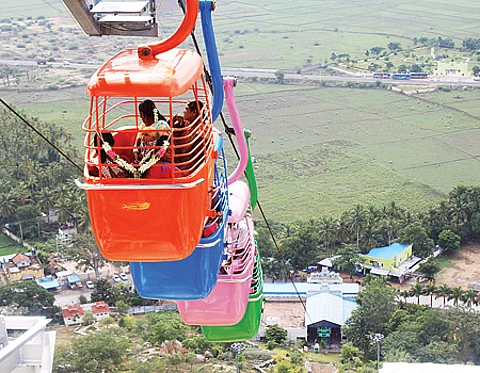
x=168 y=74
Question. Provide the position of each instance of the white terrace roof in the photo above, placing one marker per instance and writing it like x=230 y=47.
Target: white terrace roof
x=327 y=306
x=428 y=368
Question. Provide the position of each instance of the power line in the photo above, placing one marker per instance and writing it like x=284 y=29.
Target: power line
x=40 y=134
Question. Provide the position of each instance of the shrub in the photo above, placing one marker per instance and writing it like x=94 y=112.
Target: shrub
x=82 y=299
x=271 y=345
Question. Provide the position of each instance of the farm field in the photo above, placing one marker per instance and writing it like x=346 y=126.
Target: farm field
x=329 y=149
x=337 y=147
x=303 y=33
x=8 y=246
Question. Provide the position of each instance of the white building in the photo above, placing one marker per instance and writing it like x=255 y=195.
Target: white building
x=30 y=352
x=428 y=368
x=73 y=314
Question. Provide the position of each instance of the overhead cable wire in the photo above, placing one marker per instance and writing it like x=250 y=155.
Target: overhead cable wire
x=40 y=134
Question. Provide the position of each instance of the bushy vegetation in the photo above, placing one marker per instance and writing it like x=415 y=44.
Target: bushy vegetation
x=157 y=343
x=412 y=333
x=363 y=228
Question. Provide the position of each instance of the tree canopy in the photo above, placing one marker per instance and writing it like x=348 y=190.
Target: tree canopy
x=28 y=295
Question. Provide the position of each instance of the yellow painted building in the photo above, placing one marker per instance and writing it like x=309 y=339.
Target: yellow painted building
x=16 y=274
x=389 y=257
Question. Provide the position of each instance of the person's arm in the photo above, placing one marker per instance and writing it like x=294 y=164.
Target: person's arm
x=138 y=141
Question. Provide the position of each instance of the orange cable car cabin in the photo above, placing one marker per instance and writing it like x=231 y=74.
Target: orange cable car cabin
x=153 y=210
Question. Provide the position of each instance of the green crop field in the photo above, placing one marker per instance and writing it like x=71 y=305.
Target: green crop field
x=8 y=246
x=324 y=148
x=328 y=149
x=303 y=32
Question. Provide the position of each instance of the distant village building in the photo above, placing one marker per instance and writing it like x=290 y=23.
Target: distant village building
x=48 y=283
x=68 y=279
x=329 y=304
x=23 y=266
x=324 y=276
x=327 y=312
x=73 y=314
x=66 y=234
x=395 y=260
x=100 y=310
x=452 y=69
x=74 y=281
x=328 y=263
x=21 y=261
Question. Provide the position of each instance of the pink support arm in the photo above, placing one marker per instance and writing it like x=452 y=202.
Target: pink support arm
x=228 y=84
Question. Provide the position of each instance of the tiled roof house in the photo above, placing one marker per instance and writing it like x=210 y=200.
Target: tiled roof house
x=73 y=314
x=100 y=310
x=21 y=261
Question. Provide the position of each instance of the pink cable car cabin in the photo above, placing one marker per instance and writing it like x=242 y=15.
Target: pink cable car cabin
x=157 y=214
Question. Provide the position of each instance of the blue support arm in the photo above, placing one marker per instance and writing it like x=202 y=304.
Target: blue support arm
x=206 y=8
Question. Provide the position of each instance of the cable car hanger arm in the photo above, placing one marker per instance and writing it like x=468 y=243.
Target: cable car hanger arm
x=149 y=51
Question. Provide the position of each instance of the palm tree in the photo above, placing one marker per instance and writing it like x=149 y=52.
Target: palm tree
x=64 y=209
x=416 y=291
x=405 y=294
x=430 y=290
x=458 y=213
x=456 y=294
x=373 y=213
x=8 y=205
x=394 y=211
x=470 y=297
x=326 y=231
x=369 y=238
x=46 y=200
x=408 y=218
x=443 y=291
x=357 y=220
x=342 y=234
x=386 y=230
x=444 y=211
x=83 y=217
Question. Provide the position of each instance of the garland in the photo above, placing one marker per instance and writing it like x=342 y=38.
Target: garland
x=148 y=161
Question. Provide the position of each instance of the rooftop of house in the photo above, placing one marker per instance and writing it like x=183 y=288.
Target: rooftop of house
x=72 y=311
x=328 y=306
x=48 y=283
x=100 y=307
x=20 y=257
x=387 y=252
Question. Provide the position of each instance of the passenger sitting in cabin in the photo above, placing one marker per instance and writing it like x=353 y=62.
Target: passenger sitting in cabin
x=151 y=118
x=161 y=169
x=114 y=170
x=185 y=139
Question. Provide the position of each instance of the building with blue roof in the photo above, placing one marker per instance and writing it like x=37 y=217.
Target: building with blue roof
x=48 y=283
x=394 y=260
x=74 y=281
x=389 y=257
